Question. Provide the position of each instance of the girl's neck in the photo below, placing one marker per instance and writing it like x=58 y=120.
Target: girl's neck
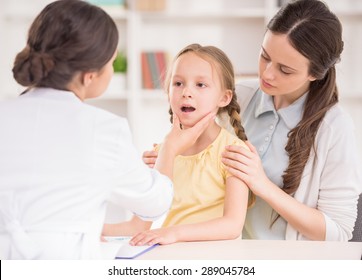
x=205 y=139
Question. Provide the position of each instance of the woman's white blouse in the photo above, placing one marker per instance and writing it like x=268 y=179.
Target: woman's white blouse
x=60 y=161
x=331 y=180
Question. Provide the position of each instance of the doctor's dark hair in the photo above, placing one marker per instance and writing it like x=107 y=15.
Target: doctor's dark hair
x=225 y=70
x=66 y=38
x=315 y=32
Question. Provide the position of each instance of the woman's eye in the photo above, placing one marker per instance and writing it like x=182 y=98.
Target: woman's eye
x=263 y=56
x=284 y=71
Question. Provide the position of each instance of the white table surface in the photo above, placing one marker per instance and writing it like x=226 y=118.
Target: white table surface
x=256 y=250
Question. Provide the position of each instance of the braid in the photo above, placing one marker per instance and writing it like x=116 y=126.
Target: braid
x=233 y=110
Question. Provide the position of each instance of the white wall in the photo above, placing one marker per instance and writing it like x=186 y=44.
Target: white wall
x=16 y=16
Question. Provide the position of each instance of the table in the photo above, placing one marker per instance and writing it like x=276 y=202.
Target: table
x=239 y=249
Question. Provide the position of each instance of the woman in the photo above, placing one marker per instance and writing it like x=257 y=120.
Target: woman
x=304 y=168
x=60 y=159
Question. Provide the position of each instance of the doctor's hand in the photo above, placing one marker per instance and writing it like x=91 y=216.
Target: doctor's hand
x=178 y=140
x=247 y=166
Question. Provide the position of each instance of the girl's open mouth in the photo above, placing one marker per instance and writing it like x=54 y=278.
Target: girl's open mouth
x=187 y=109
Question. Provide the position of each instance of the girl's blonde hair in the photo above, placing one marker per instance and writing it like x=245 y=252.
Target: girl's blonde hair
x=225 y=71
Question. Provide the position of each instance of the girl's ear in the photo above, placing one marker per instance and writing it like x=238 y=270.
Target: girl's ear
x=226 y=98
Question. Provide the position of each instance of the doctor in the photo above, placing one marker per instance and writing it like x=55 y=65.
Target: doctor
x=60 y=159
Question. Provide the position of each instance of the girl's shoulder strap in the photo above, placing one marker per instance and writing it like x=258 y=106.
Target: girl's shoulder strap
x=245 y=91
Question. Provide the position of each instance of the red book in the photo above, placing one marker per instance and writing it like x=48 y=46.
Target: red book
x=146 y=72
x=161 y=66
x=155 y=75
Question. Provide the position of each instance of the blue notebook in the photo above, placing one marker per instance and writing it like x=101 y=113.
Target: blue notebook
x=127 y=251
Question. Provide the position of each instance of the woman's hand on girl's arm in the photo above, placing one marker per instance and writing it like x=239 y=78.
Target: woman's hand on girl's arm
x=247 y=166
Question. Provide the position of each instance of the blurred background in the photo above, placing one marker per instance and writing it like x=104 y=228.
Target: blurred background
x=153 y=31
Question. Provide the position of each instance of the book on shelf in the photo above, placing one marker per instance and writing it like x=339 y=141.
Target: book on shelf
x=161 y=60
x=150 y=5
x=153 y=67
x=146 y=72
x=155 y=74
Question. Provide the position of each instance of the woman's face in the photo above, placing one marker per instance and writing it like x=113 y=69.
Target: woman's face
x=283 y=71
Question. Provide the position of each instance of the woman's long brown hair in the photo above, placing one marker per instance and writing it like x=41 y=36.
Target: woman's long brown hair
x=315 y=32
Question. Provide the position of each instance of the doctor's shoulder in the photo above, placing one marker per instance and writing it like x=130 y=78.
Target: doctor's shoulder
x=106 y=121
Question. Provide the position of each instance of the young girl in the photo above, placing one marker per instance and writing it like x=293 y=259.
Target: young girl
x=208 y=203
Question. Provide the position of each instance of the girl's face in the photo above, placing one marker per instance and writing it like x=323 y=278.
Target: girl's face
x=283 y=71
x=101 y=79
x=195 y=89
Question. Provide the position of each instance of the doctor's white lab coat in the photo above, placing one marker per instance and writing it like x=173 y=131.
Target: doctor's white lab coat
x=60 y=161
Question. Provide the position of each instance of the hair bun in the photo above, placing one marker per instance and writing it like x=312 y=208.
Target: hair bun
x=41 y=64
x=31 y=67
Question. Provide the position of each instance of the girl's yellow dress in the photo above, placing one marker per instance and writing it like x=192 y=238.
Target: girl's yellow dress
x=199 y=183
